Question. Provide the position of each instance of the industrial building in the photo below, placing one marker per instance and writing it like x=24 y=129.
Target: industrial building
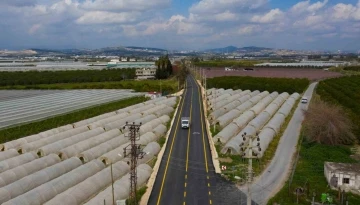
x=304 y=63
x=345 y=176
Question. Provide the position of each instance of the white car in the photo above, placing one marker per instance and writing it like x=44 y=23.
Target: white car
x=185 y=122
x=304 y=100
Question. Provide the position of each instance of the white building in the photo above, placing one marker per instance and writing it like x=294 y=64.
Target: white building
x=345 y=176
x=145 y=73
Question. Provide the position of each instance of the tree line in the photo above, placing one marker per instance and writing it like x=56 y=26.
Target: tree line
x=73 y=76
x=261 y=84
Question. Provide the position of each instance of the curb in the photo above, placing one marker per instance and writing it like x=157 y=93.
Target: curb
x=150 y=184
x=214 y=154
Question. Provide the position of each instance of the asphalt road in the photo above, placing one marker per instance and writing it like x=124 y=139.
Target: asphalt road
x=274 y=177
x=186 y=174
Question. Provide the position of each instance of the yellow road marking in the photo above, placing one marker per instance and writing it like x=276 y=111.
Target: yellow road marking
x=185 y=184
x=188 y=141
x=210 y=201
x=184 y=193
x=184 y=203
x=208 y=184
x=202 y=128
x=209 y=192
x=185 y=176
x=171 y=147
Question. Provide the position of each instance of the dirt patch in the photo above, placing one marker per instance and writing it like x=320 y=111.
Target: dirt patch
x=309 y=73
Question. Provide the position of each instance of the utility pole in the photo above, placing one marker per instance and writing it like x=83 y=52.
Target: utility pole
x=135 y=152
x=250 y=156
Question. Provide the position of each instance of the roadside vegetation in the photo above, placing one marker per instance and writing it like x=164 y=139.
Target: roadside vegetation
x=261 y=84
x=43 y=125
x=226 y=63
x=352 y=68
x=70 y=76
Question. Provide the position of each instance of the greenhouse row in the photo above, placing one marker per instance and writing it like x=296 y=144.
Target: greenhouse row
x=71 y=164
x=27 y=109
x=241 y=114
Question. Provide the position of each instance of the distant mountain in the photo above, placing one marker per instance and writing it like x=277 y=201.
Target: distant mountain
x=114 y=51
x=232 y=49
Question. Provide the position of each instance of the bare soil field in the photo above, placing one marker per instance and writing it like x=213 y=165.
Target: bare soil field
x=311 y=74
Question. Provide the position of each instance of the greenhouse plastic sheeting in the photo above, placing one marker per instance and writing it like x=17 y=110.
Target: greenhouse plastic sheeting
x=36 y=179
x=122 y=187
x=266 y=136
x=19 y=172
x=120 y=123
x=160 y=130
x=17 y=161
x=165 y=111
x=276 y=122
x=149 y=126
x=84 y=190
x=8 y=154
x=18 y=142
x=101 y=123
x=48 y=140
x=153 y=109
x=244 y=119
x=227 y=133
x=113 y=156
x=233 y=145
x=227 y=118
x=151 y=149
x=79 y=147
x=49 y=190
x=58 y=145
x=102 y=148
x=93 y=119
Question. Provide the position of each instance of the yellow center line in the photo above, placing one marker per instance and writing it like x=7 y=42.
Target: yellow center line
x=210 y=202
x=202 y=128
x=171 y=147
x=209 y=192
x=185 y=184
x=188 y=140
x=184 y=193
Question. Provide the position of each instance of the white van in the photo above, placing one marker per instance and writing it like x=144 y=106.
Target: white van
x=304 y=100
x=185 y=122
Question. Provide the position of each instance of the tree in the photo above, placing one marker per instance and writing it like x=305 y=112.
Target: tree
x=164 y=67
x=327 y=124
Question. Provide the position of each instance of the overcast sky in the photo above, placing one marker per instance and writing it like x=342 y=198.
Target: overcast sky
x=180 y=24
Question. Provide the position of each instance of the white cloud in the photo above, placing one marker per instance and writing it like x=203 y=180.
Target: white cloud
x=271 y=16
x=249 y=29
x=305 y=6
x=34 y=28
x=218 y=6
x=104 y=17
x=125 y=5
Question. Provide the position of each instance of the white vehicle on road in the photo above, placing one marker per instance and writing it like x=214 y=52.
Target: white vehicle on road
x=185 y=122
x=304 y=100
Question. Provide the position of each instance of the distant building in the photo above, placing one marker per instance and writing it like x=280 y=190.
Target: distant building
x=123 y=59
x=305 y=64
x=145 y=73
x=345 y=176
x=117 y=64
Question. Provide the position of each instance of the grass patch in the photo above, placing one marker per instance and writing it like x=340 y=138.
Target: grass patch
x=152 y=162
x=43 y=125
x=139 y=193
x=166 y=86
x=309 y=174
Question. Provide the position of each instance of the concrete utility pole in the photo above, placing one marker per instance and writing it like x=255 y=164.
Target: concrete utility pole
x=249 y=147
x=135 y=152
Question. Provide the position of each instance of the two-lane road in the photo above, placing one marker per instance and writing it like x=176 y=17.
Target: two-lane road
x=186 y=174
